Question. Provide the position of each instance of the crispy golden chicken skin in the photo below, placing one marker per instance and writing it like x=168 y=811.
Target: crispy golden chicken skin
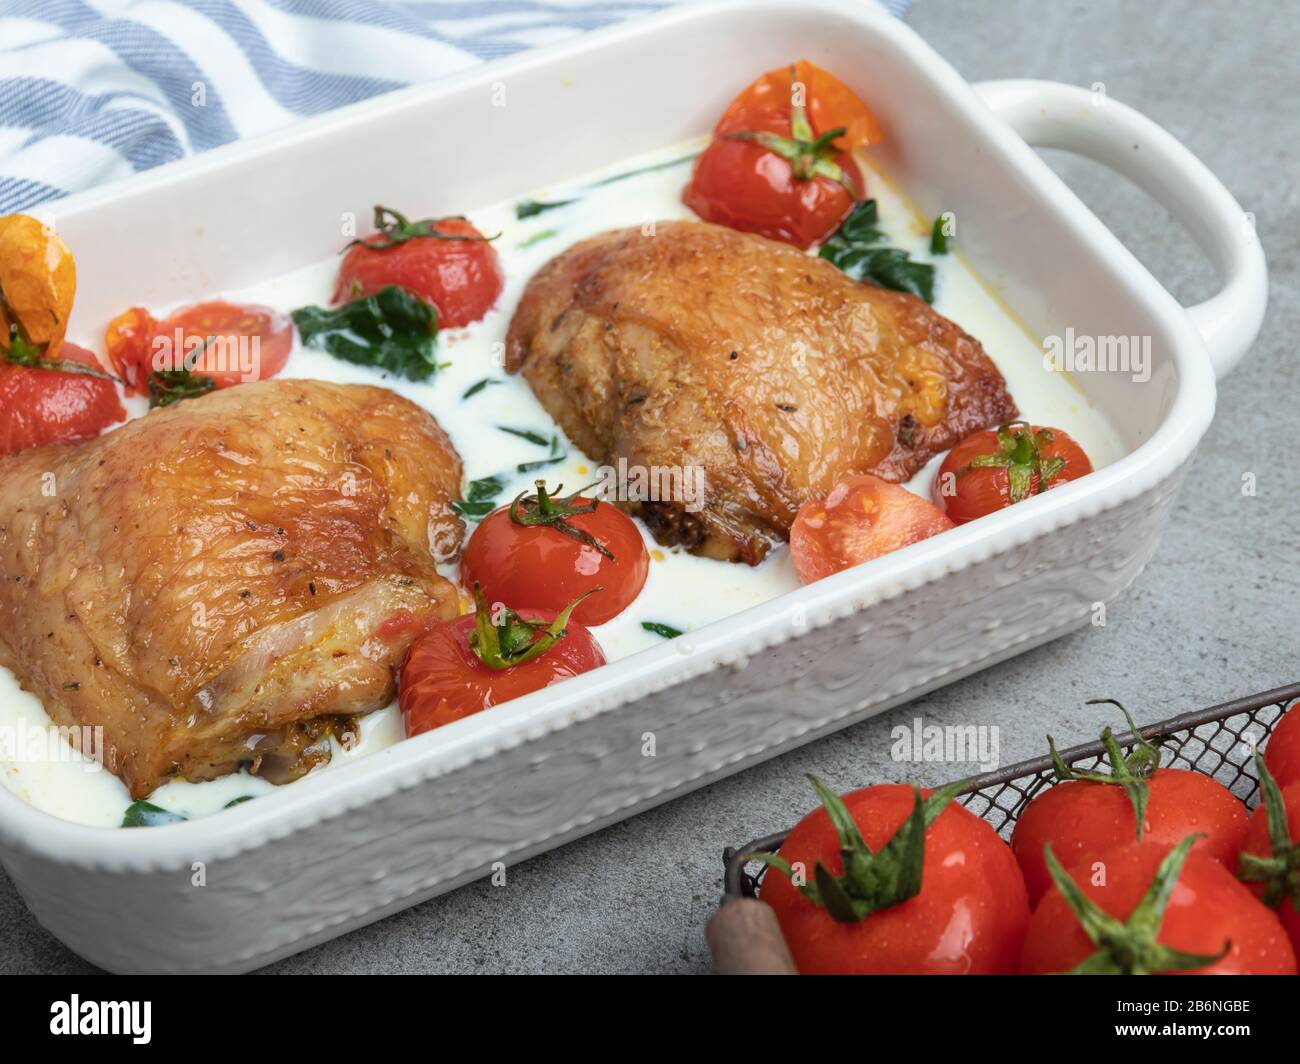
x=699 y=347
x=226 y=581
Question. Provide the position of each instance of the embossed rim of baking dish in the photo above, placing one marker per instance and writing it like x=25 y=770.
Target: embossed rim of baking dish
x=1233 y=317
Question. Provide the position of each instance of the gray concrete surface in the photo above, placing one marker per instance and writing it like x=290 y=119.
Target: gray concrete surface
x=1213 y=617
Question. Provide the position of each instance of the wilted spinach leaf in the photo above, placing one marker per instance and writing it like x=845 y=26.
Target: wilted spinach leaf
x=142 y=814
x=541 y=463
x=532 y=208
x=940 y=242
x=167 y=386
x=665 y=630
x=480 y=498
x=858 y=248
x=391 y=330
x=474 y=389
x=530 y=435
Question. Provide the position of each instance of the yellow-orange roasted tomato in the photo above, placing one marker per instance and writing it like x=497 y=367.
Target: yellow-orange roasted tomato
x=38 y=280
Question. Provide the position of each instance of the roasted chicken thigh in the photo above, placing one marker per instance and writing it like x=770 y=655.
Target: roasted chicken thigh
x=226 y=581
x=688 y=346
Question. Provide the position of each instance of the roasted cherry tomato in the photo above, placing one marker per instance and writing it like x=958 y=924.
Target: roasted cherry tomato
x=1208 y=924
x=127 y=341
x=991 y=470
x=489 y=657
x=1091 y=811
x=1282 y=753
x=38 y=282
x=968 y=916
x=862 y=518
x=779 y=164
x=542 y=552
x=197 y=348
x=1270 y=854
x=50 y=391
x=64 y=405
x=445 y=261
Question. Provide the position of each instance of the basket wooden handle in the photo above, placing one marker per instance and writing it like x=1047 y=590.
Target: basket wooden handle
x=745 y=939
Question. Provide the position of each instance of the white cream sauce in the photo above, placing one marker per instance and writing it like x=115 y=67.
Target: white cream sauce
x=681 y=591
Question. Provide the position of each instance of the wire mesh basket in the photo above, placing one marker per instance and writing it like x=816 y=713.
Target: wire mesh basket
x=1219 y=741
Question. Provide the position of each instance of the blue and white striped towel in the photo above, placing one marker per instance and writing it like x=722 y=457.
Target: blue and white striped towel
x=94 y=90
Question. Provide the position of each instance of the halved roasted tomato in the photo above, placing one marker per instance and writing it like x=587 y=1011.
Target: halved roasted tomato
x=862 y=518
x=197 y=348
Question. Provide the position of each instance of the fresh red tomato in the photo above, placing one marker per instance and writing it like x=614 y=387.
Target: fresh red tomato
x=862 y=518
x=488 y=657
x=1282 y=753
x=44 y=406
x=221 y=343
x=1093 y=810
x=543 y=552
x=445 y=261
x=780 y=163
x=1208 y=914
x=1081 y=818
x=991 y=470
x=1271 y=865
x=968 y=918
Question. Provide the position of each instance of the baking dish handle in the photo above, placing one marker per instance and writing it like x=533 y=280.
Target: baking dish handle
x=1048 y=114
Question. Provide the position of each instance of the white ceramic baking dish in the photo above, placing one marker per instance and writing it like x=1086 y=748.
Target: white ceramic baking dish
x=336 y=851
